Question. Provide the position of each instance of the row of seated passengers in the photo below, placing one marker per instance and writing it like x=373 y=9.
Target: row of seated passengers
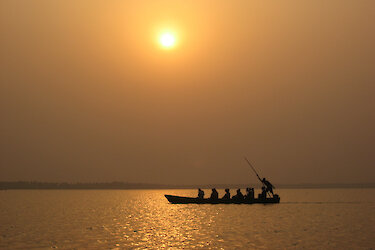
x=239 y=196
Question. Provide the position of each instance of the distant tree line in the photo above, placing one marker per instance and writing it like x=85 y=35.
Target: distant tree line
x=125 y=185
x=109 y=185
x=66 y=185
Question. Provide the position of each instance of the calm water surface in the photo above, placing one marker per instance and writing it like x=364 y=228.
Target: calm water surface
x=305 y=219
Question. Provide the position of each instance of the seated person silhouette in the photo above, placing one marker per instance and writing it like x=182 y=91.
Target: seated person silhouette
x=249 y=194
x=239 y=196
x=263 y=195
x=214 y=194
x=200 y=193
x=226 y=195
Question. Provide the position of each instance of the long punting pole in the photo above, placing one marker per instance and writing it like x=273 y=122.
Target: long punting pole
x=256 y=173
x=254 y=170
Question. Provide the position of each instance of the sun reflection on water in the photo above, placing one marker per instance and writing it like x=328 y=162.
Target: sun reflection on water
x=141 y=219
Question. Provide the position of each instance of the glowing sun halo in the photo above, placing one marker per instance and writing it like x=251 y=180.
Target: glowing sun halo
x=167 y=40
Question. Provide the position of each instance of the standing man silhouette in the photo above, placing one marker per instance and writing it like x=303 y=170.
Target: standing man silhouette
x=269 y=186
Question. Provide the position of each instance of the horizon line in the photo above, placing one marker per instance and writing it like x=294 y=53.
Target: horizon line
x=138 y=185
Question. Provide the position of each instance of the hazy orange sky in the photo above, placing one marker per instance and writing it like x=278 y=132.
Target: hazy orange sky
x=87 y=94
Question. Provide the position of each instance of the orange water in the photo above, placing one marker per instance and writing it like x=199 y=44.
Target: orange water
x=309 y=218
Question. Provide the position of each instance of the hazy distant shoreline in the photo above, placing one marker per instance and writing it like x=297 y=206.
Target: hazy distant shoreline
x=124 y=185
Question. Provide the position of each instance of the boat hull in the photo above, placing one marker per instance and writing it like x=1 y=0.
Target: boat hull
x=190 y=200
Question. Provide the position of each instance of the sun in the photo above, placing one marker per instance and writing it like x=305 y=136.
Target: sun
x=167 y=40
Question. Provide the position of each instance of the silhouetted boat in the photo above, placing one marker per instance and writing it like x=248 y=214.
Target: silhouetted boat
x=190 y=200
x=267 y=189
